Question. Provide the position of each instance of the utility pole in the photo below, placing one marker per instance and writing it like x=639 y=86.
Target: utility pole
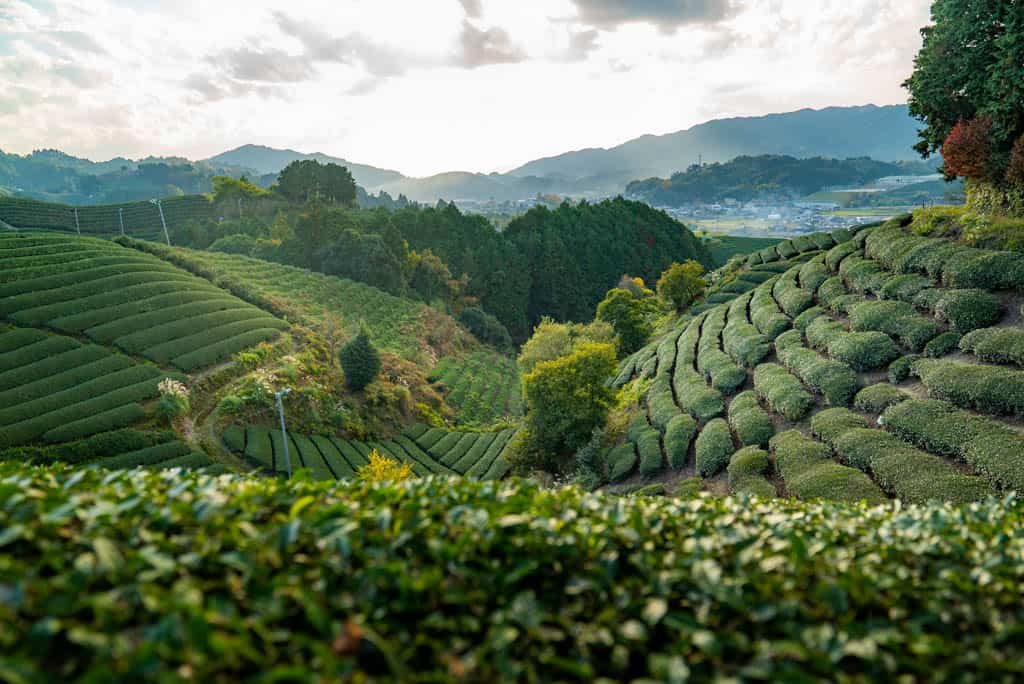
x=162 y=221
x=284 y=432
x=120 y=217
x=77 y=227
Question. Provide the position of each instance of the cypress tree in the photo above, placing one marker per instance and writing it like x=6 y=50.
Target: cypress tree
x=360 y=360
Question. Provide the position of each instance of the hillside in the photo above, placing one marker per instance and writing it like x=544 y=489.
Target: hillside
x=885 y=133
x=765 y=177
x=880 y=367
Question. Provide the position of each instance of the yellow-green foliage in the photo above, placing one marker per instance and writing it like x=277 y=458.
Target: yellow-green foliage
x=971 y=226
x=383 y=469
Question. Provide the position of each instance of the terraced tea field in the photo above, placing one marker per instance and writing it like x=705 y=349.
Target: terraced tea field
x=483 y=387
x=428 y=451
x=140 y=219
x=89 y=329
x=396 y=324
x=873 y=364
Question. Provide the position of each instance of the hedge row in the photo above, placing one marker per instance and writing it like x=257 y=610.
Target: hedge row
x=904 y=287
x=989 y=447
x=989 y=389
x=621 y=461
x=751 y=423
x=713 y=448
x=149 y=330
x=792 y=298
x=942 y=344
x=419 y=591
x=813 y=274
x=895 y=318
x=877 y=398
x=831 y=290
x=964 y=310
x=101 y=445
x=835 y=256
x=56 y=373
x=104 y=323
x=809 y=472
x=863 y=275
x=833 y=380
x=743 y=342
x=829 y=424
x=95 y=421
x=783 y=393
x=766 y=314
x=678 y=436
x=147 y=456
x=862 y=351
x=225 y=349
x=90 y=271
x=902 y=368
x=199 y=338
x=724 y=375
x=73 y=292
x=649 y=447
x=747 y=470
x=44 y=314
x=695 y=397
x=912 y=475
x=957 y=265
x=803 y=320
x=995 y=345
x=40 y=348
x=661 y=405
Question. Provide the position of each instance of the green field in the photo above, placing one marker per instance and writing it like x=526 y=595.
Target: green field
x=841 y=312
x=483 y=387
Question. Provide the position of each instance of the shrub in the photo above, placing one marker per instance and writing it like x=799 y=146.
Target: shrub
x=995 y=345
x=383 y=469
x=649 y=446
x=621 y=461
x=713 y=448
x=803 y=320
x=900 y=369
x=790 y=296
x=862 y=351
x=628 y=314
x=903 y=287
x=831 y=289
x=833 y=380
x=485 y=327
x=744 y=343
x=695 y=397
x=877 y=398
x=226 y=348
x=942 y=345
x=94 y=423
x=863 y=275
x=810 y=473
x=147 y=456
x=752 y=424
x=912 y=475
x=783 y=392
x=990 y=270
x=766 y=315
x=234 y=244
x=747 y=469
x=829 y=424
x=360 y=360
x=678 y=436
x=967 y=310
x=681 y=284
x=989 y=389
x=895 y=318
x=989 y=447
x=835 y=256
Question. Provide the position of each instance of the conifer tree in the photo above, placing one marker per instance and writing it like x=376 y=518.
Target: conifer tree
x=360 y=360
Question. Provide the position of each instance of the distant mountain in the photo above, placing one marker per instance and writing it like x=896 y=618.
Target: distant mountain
x=268 y=160
x=883 y=133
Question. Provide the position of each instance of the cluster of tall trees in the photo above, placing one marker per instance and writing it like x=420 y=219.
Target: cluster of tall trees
x=968 y=89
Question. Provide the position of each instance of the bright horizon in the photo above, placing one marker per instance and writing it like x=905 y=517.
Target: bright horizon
x=444 y=85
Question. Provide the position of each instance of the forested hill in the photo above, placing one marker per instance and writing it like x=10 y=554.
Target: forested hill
x=557 y=263
x=746 y=178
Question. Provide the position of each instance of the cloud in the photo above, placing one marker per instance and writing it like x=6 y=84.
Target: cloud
x=81 y=76
x=581 y=44
x=268 y=66
x=667 y=15
x=213 y=89
x=473 y=8
x=76 y=40
x=481 y=47
x=352 y=48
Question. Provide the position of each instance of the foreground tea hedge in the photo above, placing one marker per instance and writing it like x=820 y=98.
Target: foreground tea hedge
x=135 y=576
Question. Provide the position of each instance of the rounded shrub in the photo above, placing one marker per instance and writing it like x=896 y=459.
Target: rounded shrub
x=713 y=448
x=877 y=398
x=995 y=345
x=750 y=422
x=829 y=424
x=621 y=461
x=899 y=370
x=942 y=345
x=678 y=436
x=967 y=310
x=864 y=351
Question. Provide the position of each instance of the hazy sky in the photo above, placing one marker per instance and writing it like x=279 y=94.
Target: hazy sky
x=424 y=86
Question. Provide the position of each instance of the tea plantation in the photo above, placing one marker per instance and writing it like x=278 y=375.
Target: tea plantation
x=864 y=364
x=115 y=577
x=428 y=451
x=483 y=387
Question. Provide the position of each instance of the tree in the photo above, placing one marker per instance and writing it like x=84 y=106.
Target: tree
x=308 y=179
x=226 y=188
x=628 y=314
x=359 y=360
x=566 y=399
x=681 y=284
x=432 y=279
x=384 y=469
x=485 y=327
x=971 y=67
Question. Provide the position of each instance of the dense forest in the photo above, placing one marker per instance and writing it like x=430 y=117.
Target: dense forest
x=765 y=176
x=557 y=263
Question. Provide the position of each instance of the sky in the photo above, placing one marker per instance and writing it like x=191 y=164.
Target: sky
x=425 y=86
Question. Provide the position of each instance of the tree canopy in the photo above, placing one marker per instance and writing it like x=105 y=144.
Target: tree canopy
x=681 y=284
x=308 y=179
x=968 y=79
